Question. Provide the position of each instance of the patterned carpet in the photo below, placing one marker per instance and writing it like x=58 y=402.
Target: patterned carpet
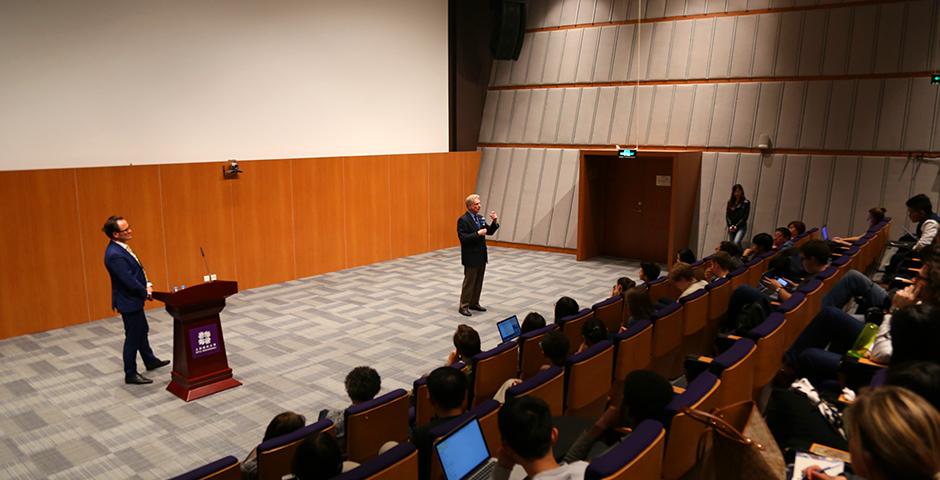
x=66 y=412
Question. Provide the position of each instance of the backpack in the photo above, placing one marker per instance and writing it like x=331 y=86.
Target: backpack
x=751 y=315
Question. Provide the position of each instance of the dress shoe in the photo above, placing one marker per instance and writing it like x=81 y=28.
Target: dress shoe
x=477 y=307
x=159 y=364
x=465 y=312
x=137 y=379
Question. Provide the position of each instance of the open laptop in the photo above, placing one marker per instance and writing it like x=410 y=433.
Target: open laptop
x=463 y=453
x=825 y=232
x=508 y=328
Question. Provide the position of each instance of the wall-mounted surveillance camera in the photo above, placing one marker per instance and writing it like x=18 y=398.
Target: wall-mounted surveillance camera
x=231 y=170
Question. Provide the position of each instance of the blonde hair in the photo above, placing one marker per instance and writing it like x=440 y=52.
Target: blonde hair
x=900 y=432
x=471 y=198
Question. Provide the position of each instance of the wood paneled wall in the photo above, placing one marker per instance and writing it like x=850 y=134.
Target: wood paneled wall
x=282 y=219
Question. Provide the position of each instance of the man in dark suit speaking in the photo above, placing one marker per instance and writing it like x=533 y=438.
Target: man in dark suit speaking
x=129 y=290
x=472 y=231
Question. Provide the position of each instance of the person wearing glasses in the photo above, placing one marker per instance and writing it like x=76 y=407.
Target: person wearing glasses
x=472 y=230
x=129 y=290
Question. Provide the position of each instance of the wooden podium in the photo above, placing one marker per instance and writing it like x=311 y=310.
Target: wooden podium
x=200 y=366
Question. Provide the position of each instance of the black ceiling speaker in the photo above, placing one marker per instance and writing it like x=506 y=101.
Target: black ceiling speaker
x=508 y=29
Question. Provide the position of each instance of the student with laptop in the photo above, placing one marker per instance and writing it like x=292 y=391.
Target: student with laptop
x=447 y=389
x=525 y=425
x=875 y=216
x=508 y=328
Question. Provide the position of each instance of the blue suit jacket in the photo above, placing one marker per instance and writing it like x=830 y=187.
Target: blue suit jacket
x=472 y=245
x=128 y=283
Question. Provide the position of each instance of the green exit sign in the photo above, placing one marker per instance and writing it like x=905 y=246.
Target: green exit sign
x=935 y=79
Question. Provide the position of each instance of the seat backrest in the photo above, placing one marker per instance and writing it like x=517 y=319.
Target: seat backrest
x=548 y=384
x=769 y=336
x=370 y=424
x=531 y=357
x=662 y=288
x=633 y=349
x=571 y=327
x=735 y=369
x=398 y=463
x=276 y=455
x=738 y=277
x=719 y=292
x=797 y=314
x=491 y=369
x=587 y=380
x=226 y=468
x=813 y=291
x=423 y=409
x=683 y=433
x=610 y=312
x=667 y=337
x=694 y=312
x=754 y=271
x=637 y=457
x=487 y=413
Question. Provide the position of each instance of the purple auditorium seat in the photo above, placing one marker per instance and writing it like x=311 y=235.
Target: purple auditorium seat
x=530 y=355
x=401 y=461
x=370 y=424
x=276 y=455
x=490 y=369
x=548 y=384
x=222 y=469
x=639 y=456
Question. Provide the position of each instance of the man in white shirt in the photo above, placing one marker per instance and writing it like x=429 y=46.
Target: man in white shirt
x=683 y=278
x=525 y=424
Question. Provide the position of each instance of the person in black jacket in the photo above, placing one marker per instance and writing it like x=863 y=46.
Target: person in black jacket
x=472 y=231
x=736 y=214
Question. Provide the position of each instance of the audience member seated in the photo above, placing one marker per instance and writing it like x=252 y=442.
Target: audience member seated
x=593 y=330
x=318 y=457
x=867 y=293
x=555 y=347
x=782 y=238
x=875 y=216
x=447 y=390
x=685 y=256
x=814 y=256
x=620 y=288
x=733 y=250
x=281 y=424
x=532 y=321
x=920 y=211
x=796 y=228
x=720 y=265
x=649 y=271
x=525 y=425
x=565 y=306
x=362 y=385
x=760 y=244
x=640 y=305
x=466 y=345
x=645 y=396
x=682 y=276
x=893 y=434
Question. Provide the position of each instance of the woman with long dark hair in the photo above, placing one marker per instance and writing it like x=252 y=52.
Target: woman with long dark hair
x=738 y=209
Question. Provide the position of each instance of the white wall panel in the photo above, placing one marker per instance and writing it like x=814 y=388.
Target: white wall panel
x=860 y=54
x=586 y=112
x=569 y=115
x=702 y=107
x=722 y=46
x=570 y=56
x=545 y=197
x=791 y=24
x=623 y=113
x=493 y=200
x=488 y=120
x=586 y=11
x=840 y=111
x=569 y=12
x=659 y=117
x=520 y=67
x=758 y=4
x=920 y=115
x=868 y=192
x=888 y=40
x=571 y=233
x=765 y=45
x=605 y=54
x=588 y=54
x=679 y=49
x=701 y=48
x=768 y=110
x=536 y=70
x=898 y=176
x=520 y=114
x=814 y=114
x=553 y=57
x=715 y=6
x=602 y=10
x=619 y=12
x=535 y=13
x=639 y=68
x=485 y=175
x=528 y=195
x=564 y=198
x=659 y=59
x=502 y=71
x=791 y=115
x=742 y=56
x=837 y=41
x=623 y=56
x=639 y=129
x=675 y=8
x=793 y=189
x=867 y=97
x=693 y=7
x=503 y=115
x=680 y=115
x=734 y=5
x=720 y=134
x=722 y=182
x=920 y=18
x=745 y=110
x=550 y=120
x=533 y=124
x=706 y=189
x=748 y=175
x=767 y=194
x=893 y=107
x=935 y=44
x=842 y=195
x=655 y=9
x=553 y=13
x=509 y=208
x=818 y=183
x=603 y=119
x=813 y=37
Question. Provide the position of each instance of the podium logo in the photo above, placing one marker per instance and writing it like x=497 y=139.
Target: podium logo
x=204 y=340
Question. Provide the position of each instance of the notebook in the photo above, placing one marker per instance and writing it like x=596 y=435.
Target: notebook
x=463 y=453
x=509 y=328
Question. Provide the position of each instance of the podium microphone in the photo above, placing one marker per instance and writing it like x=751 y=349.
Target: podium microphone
x=209 y=277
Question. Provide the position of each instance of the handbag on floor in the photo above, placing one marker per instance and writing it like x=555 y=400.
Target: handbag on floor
x=738 y=444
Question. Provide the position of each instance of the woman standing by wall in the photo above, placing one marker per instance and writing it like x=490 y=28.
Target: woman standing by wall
x=736 y=214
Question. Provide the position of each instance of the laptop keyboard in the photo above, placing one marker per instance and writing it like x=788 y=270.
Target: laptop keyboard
x=484 y=473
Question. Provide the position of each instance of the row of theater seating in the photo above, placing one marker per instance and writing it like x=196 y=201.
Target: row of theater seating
x=592 y=377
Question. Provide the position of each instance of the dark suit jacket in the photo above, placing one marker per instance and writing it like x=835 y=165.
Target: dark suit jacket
x=128 y=283
x=472 y=245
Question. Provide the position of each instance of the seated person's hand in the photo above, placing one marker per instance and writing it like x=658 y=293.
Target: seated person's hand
x=816 y=473
x=906 y=296
x=771 y=283
x=452 y=357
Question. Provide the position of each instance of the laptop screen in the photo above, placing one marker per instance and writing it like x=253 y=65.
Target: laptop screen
x=825 y=232
x=509 y=328
x=462 y=450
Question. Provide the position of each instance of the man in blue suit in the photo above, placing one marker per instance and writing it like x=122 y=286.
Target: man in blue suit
x=129 y=290
x=472 y=231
